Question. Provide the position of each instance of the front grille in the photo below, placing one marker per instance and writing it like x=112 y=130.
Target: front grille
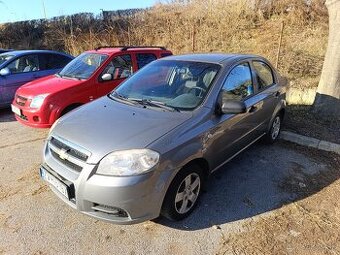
x=66 y=162
x=66 y=154
x=71 y=151
x=21 y=100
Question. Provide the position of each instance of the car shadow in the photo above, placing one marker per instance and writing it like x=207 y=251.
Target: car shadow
x=6 y=115
x=261 y=179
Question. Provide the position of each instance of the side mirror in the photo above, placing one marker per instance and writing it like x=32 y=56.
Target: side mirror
x=5 y=71
x=233 y=107
x=107 y=77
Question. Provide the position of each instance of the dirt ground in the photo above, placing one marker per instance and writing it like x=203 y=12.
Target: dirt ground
x=280 y=199
x=301 y=119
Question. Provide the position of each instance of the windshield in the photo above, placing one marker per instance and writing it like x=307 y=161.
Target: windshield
x=4 y=57
x=83 y=66
x=179 y=84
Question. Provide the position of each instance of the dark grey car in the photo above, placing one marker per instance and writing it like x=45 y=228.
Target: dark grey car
x=148 y=147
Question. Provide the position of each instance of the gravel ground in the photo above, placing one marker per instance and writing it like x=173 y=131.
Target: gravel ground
x=279 y=199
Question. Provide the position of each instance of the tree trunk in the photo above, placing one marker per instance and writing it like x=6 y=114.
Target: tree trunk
x=327 y=101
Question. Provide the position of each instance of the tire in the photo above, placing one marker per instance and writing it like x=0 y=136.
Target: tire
x=274 y=130
x=187 y=188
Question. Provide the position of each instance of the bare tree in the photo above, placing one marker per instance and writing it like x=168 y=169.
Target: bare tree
x=327 y=101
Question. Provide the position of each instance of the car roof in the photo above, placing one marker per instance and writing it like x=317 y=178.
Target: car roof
x=112 y=50
x=24 y=52
x=215 y=58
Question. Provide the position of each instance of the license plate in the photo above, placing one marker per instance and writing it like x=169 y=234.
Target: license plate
x=56 y=183
x=16 y=110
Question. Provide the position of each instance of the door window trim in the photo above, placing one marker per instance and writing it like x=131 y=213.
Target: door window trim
x=251 y=74
x=254 y=70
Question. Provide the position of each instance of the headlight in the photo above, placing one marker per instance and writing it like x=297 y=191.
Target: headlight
x=128 y=162
x=38 y=101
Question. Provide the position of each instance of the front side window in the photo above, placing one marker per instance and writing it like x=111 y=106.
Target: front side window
x=83 y=66
x=120 y=67
x=144 y=58
x=178 y=84
x=24 y=64
x=5 y=57
x=238 y=84
x=264 y=74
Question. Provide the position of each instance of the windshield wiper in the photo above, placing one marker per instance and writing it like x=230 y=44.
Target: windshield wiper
x=155 y=104
x=70 y=76
x=121 y=98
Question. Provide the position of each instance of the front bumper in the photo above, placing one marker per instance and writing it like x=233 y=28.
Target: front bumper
x=37 y=118
x=120 y=200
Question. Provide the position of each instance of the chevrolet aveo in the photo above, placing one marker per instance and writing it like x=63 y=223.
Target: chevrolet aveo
x=147 y=148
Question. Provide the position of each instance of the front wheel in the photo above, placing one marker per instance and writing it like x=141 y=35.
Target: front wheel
x=274 y=130
x=183 y=193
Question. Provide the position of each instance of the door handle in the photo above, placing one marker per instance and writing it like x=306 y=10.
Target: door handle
x=253 y=108
x=277 y=94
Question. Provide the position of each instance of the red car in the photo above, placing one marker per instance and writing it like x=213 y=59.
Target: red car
x=91 y=75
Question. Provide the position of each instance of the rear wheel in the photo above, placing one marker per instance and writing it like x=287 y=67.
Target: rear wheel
x=183 y=193
x=274 y=130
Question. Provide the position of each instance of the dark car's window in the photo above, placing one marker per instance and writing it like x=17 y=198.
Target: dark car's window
x=5 y=57
x=264 y=74
x=239 y=83
x=24 y=64
x=83 y=66
x=144 y=58
x=166 y=54
x=120 y=67
x=177 y=84
x=53 y=61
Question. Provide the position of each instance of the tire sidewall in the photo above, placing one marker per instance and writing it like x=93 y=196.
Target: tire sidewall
x=168 y=208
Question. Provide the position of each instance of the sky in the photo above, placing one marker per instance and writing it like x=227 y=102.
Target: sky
x=18 y=10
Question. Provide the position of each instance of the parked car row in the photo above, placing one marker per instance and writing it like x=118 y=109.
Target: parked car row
x=20 y=67
x=92 y=74
x=147 y=146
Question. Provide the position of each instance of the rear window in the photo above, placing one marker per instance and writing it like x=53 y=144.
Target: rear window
x=55 y=61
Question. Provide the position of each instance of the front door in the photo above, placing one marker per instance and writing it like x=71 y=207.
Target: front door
x=233 y=132
x=23 y=70
x=120 y=68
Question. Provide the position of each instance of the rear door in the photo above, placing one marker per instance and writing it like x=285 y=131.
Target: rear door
x=23 y=69
x=120 y=67
x=267 y=91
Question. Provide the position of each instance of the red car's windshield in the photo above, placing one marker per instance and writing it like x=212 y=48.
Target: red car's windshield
x=83 y=66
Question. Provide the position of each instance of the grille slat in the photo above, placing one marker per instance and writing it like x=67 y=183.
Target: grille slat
x=67 y=155
x=71 y=151
x=66 y=162
x=21 y=100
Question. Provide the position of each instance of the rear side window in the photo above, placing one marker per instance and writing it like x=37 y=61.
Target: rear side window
x=264 y=74
x=238 y=84
x=166 y=54
x=120 y=67
x=144 y=58
x=54 y=61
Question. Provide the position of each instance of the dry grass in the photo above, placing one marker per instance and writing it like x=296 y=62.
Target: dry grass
x=200 y=26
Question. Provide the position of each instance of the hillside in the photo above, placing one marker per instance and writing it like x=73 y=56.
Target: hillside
x=196 y=25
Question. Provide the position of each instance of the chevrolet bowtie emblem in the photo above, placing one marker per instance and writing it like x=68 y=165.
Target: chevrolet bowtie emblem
x=63 y=154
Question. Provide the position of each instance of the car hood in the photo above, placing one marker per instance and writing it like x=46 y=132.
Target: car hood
x=46 y=85
x=105 y=125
